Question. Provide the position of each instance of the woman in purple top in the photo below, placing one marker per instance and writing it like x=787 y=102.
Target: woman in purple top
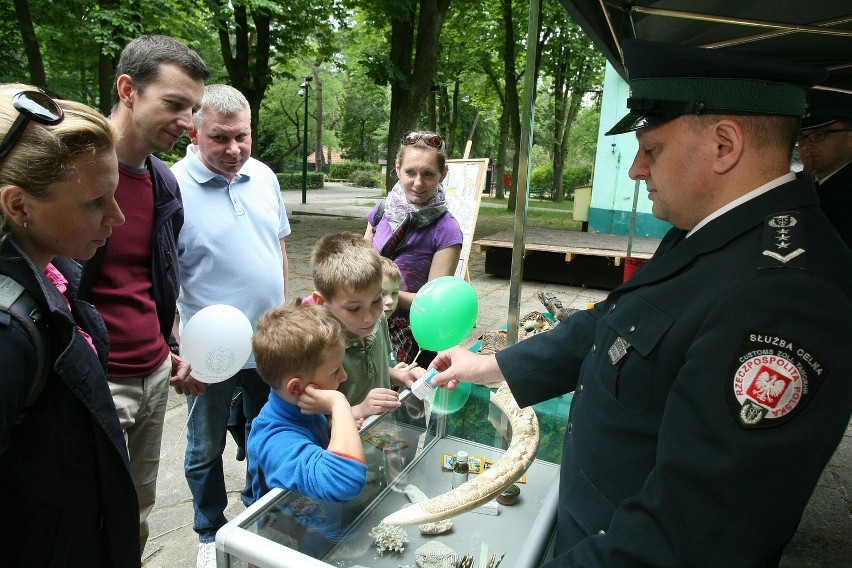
x=413 y=228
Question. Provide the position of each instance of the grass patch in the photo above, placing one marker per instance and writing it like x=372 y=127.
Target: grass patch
x=536 y=218
x=567 y=205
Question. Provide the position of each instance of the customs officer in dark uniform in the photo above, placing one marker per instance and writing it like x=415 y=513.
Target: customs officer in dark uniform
x=825 y=148
x=711 y=389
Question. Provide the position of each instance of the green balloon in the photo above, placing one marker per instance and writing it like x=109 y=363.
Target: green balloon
x=443 y=313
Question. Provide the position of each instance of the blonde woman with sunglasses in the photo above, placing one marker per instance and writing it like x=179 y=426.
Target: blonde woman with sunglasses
x=413 y=228
x=66 y=494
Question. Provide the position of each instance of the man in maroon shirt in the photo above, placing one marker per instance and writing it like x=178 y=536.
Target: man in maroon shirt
x=133 y=280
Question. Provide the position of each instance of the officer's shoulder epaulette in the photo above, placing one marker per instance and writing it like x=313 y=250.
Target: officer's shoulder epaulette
x=783 y=242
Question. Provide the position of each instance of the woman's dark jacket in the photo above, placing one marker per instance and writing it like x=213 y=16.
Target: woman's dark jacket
x=66 y=493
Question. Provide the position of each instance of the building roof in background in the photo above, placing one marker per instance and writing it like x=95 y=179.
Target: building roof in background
x=336 y=158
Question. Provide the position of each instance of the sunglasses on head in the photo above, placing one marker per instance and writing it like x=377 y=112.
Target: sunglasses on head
x=429 y=138
x=31 y=105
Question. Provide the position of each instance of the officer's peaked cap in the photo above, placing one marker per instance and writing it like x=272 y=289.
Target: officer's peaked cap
x=668 y=80
x=825 y=107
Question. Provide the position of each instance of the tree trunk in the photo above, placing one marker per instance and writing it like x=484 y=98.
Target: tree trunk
x=512 y=106
x=106 y=65
x=500 y=162
x=248 y=65
x=409 y=93
x=560 y=96
x=319 y=157
x=30 y=41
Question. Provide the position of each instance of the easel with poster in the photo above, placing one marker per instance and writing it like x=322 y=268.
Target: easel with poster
x=464 y=185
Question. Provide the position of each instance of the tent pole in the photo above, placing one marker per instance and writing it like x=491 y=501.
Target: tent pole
x=522 y=191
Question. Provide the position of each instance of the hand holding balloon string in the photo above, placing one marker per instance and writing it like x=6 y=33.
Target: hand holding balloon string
x=216 y=342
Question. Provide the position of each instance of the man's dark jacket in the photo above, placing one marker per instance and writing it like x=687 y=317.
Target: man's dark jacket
x=835 y=199
x=667 y=459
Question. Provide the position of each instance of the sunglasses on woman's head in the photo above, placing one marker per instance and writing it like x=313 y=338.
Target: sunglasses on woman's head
x=31 y=105
x=429 y=138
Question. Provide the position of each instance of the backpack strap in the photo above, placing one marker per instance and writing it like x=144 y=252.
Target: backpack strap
x=18 y=303
x=380 y=212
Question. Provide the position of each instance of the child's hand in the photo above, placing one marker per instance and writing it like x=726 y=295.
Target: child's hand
x=405 y=374
x=318 y=401
x=378 y=400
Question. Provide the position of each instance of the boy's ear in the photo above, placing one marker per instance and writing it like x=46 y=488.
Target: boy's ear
x=293 y=385
x=318 y=299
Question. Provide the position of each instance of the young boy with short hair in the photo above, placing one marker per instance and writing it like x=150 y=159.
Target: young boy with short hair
x=391 y=283
x=347 y=275
x=299 y=353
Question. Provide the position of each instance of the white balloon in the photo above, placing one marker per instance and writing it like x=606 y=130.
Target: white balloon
x=217 y=342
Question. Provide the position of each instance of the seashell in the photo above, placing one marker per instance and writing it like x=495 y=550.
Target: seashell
x=416 y=495
x=438 y=527
x=435 y=554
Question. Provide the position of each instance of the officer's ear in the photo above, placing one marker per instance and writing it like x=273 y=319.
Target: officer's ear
x=729 y=138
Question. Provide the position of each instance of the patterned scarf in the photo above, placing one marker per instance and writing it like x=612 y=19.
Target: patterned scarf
x=406 y=218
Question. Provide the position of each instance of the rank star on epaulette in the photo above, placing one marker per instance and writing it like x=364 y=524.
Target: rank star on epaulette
x=781 y=243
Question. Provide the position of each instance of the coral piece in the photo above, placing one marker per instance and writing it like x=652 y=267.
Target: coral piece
x=388 y=538
x=434 y=554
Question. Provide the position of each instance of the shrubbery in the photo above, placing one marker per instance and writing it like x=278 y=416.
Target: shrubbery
x=541 y=178
x=367 y=178
x=344 y=170
x=293 y=180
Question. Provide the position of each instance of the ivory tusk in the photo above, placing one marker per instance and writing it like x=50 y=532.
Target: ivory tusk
x=487 y=485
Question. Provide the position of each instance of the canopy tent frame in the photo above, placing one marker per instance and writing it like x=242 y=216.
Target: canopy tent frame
x=819 y=35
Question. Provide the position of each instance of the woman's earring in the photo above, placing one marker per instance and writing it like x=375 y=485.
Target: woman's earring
x=26 y=224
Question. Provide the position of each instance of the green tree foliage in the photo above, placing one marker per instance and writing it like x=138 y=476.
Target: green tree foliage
x=364 y=121
x=413 y=38
x=256 y=36
x=14 y=68
x=383 y=66
x=575 y=68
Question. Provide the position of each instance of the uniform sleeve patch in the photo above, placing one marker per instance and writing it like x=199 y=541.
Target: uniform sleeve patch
x=773 y=379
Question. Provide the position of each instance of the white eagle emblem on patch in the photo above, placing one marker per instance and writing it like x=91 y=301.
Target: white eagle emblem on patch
x=773 y=377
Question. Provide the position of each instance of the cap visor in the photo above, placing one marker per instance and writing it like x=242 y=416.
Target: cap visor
x=814 y=122
x=633 y=122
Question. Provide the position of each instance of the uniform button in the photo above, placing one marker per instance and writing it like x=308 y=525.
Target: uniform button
x=594 y=348
x=579 y=391
x=631 y=329
x=601 y=532
x=611 y=308
x=570 y=427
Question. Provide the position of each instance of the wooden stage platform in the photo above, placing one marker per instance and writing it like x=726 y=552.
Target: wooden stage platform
x=574 y=258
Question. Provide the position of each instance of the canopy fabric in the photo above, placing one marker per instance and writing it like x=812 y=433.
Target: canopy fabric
x=816 y=33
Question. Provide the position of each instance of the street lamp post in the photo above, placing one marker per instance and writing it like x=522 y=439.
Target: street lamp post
x=303 y=92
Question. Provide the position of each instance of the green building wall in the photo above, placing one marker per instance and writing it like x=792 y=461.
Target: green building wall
x=612 y=189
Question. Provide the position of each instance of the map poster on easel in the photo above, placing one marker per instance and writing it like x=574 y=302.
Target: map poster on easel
x=464 y=185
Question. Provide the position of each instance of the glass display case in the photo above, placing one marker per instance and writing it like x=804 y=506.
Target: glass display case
x=407 y=446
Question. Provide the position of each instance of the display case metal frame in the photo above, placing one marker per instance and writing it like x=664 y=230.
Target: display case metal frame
x=239 y=542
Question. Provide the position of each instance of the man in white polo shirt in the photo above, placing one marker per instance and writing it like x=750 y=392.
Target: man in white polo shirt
x=231 y=251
